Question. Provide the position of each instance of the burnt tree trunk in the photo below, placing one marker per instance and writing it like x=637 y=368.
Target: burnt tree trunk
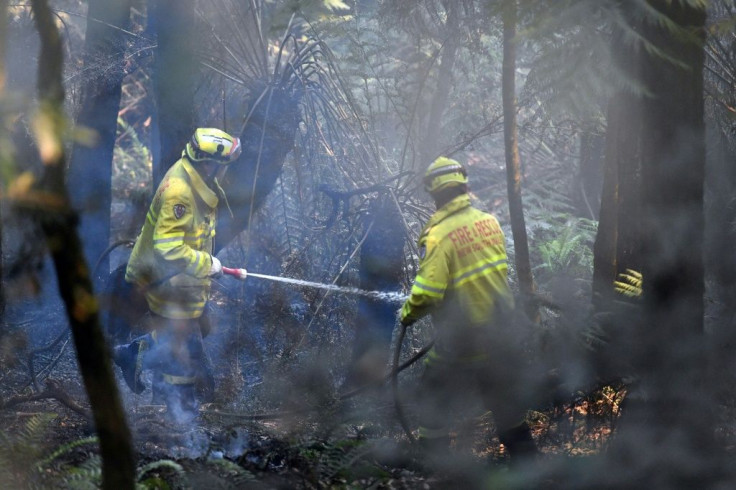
x=381 y=267
x=90 y=168
x=59 y=222
x=590 y=172
x=604 y=248
x=3 y=38
x=670 y=409
x=618 y=242
x=720 y=261
x=513 y=164
x=175 y=75
x=266 y=139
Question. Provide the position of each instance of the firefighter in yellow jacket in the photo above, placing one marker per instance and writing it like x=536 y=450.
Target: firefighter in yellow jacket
x=462 y=283
x=172 y=264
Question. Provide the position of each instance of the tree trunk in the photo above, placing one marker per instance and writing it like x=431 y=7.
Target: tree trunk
x=513 y=164
x=58 y=221
x=266 y=139
x=720 y=261
x=604 y=249
x=381 y=268
x=438 y=104
x=618 y=242
x=589 y=180
x=90 y=168
x=673 y=404
x=3 y=39
x=175 y=75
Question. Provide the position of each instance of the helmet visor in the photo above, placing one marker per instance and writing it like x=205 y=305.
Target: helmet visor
x=235 y=150
x=438 y=178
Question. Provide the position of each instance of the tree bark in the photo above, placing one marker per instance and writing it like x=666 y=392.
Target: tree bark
x=58 y=221
x=381 y=260
x=604 y=248
x=266 y=139
x=90 y=168
x=589 y=180
x=673 y=404
x=618 y=242
x=3 y=40
x=720 y=261
x=438 y=104
x=513 y=164
x=176 y=70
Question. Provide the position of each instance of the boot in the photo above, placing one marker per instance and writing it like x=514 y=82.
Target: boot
x=519 y=443
x=205 y=381
x=129 y=358
x=158 y=388
x=433 y=449
x=181 y=403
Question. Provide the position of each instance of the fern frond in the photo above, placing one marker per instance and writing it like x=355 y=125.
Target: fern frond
x=87 y=476
x=338 y=458
x=65 y=448
x=237 y=475
x=629 y=284
x=33 y=431
x=161 y=464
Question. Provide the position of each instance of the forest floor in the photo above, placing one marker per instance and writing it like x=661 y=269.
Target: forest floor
x=242 y=441
x=225 y=450
x=343 y=446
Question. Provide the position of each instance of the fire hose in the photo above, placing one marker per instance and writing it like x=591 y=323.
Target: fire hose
x=242 y=274
x=393 y=375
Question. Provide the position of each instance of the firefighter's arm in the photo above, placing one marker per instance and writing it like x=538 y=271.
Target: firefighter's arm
x=175 y=217
x=429 y=285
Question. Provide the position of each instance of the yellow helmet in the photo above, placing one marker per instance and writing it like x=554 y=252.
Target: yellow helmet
x=211 y=144
x=443 y=173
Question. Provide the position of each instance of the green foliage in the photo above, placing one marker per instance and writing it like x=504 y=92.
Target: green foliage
x=10 y=107
x=335 y=5
x=87 y=475
x=65 y=448
x=132 y=160
x=567 y=248
x=151 y=476
x=236 y=475
x=340 y=461
x=576 y=67
x=161 y=474
x=19 y=453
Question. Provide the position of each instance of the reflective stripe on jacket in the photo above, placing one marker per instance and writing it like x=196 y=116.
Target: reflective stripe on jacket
x=172 y=257
x=462 y=277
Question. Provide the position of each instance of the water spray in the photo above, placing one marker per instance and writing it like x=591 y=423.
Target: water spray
x=390 y=296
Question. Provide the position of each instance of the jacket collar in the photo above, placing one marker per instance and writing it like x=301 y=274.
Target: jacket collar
x=207 y=194
x=452 y=207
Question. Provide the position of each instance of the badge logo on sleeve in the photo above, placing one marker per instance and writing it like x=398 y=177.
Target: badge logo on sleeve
x=179 y=210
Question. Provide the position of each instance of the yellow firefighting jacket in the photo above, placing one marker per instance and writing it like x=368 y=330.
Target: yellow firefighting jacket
x=462 y=277
x=172 y=257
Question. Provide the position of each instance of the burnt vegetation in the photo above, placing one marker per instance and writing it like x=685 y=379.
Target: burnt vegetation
x=627 y=187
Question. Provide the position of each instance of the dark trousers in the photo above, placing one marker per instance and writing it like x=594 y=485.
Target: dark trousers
x=454 y=390
x=177 y=350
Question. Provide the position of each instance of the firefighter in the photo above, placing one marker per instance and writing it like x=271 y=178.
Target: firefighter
x=462 y=283
x=172 y=264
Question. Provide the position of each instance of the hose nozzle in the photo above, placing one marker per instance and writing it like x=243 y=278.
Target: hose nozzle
x=237 y=273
